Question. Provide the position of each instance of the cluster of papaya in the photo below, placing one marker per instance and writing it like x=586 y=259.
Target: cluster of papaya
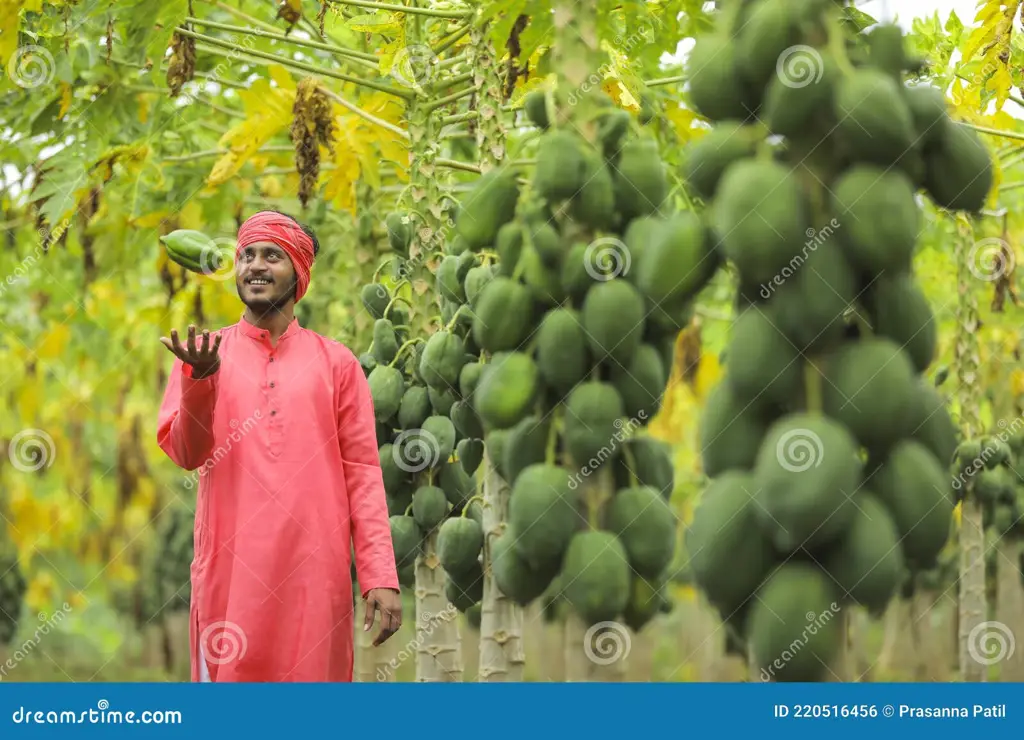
x=573 y=291
x=828 y=450
x=988 y=469
x=422 y=419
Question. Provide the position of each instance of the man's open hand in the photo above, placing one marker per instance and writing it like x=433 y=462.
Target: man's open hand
x=204 y=359
x=389 y=604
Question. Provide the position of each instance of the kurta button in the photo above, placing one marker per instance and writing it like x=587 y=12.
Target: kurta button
x=271 y=385
x=271 y=359
x=273 y=413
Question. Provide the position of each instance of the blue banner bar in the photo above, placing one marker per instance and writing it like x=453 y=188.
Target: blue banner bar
x=508 y=710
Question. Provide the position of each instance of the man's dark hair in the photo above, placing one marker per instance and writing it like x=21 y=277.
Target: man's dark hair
x=308 y=231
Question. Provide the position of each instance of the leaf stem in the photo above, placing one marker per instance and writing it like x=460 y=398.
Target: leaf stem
x=452 y=81
x=303 y=66
x=457 y=165
x=441 y=102
x=363 y=114
x=465 y=509
x=405 y=345
x=993 y=131
x=459 y=117
x=430 y=12
x=367 y=60
x=665 y=81
x=453 y=38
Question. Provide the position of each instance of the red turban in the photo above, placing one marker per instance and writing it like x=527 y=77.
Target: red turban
x=268 y=226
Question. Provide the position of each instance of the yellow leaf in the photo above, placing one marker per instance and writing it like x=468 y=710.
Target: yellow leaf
x=191 y=216
x=1000 y=83
x=268 y=111
x=282 y=77
x=144 y=103
x=65 y=99
x=387 y=54
x=150 y=220
x=524 y=89
x=270 y=187
x=709 y=372
x=54 y=342
x=28 y=401
x=1017 y=382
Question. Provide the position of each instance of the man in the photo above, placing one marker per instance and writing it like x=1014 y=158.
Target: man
x=280 y=421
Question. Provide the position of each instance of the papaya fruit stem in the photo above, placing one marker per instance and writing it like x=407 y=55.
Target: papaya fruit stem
x=408 y=509
x=455 y=317
x=812 y=386
x=479 y=497
x=376 y=273
x=408 y=343
x=552 y=446
x=397 y=298
x=631 y=464
x=837 y=45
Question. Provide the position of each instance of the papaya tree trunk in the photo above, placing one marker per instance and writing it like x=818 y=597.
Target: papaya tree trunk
x=490 y=133
x=439 y=645
x=973 y=611
x=1010 y=607
x=501 y=621
x=383 y=661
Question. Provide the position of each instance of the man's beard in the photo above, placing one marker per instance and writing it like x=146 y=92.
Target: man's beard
x=266 y=306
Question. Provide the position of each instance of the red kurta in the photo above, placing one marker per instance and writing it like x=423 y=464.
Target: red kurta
x=290 y=478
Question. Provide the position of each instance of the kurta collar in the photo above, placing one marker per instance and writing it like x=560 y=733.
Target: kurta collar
x=255 y=332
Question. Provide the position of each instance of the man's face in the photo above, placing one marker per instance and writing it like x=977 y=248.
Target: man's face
x=265 y=277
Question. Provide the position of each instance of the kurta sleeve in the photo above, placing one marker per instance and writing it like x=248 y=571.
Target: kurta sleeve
x=368 y=508
x=185 y=424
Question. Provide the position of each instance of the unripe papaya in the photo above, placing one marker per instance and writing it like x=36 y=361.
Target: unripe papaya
x=900 y=312
x=708 y=159
x=385 y=343
x=640 y=181
x=406 y=539
x=542 y=509
x=512 y=573
x=678 y=263
x=769 y=28
x=646 y=527
x=442 y=360
x=502 y=318
x=716 y=87
x=399 y=233
x=459 y=542
x=448 y=283
x=594 y=412
x=730 y=433
x=959 y=172
x=594 y=204
x=386 y=389
x=872 y=119
x=613 y=320
x=414 y=409
x=878 y=217
x=475 y=281
x=429 y=507
x=597 y=576
x=761 y=216
x=509 y=246
x=470 y=453
x=928 y=111
x=491 y=203
x=561 y=166
x=375 y=299
x=535 y=105
x=563 y=352
x=507 y=390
